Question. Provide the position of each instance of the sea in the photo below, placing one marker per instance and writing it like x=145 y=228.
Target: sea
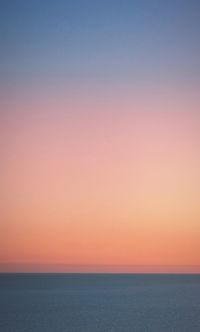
x=99 y=303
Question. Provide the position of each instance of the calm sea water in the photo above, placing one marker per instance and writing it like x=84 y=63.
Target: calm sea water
x=99 y=303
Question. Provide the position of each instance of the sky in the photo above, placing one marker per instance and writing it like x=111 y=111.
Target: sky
x=100 y=135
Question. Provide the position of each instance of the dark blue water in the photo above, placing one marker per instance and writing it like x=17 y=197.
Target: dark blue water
x=99 y=303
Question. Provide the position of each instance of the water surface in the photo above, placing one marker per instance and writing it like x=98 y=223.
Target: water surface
x=99 y=303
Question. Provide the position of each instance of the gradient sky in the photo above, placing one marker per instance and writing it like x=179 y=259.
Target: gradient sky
x=100 y=135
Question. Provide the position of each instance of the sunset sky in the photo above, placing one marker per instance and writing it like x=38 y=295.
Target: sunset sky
x=100 y=136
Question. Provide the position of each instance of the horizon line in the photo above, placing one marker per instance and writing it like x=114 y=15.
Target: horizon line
x=59 y=268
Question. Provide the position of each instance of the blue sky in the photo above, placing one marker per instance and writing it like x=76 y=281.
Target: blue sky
x=115 y=40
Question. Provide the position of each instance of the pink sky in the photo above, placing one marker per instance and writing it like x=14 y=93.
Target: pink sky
x=100 y=183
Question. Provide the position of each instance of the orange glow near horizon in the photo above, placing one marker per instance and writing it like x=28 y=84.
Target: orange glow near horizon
x=94 y=184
